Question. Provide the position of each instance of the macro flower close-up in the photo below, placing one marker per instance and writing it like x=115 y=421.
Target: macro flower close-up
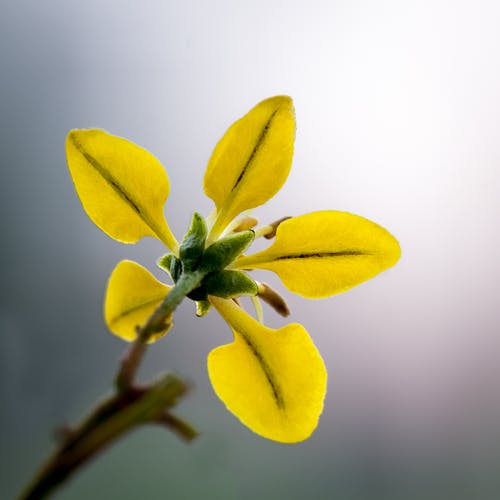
x=273 y=380
x=248 y=250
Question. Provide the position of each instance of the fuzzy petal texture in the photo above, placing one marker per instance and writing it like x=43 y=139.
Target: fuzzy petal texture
x=122 y=186
x=324 y=253
x=252 y=161
x=133 y=294
x=274 y=381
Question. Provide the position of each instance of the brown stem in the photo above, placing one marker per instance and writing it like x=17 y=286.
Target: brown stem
x=113 y=418
x=130 y=407
x=130 y=364
x=178 y=426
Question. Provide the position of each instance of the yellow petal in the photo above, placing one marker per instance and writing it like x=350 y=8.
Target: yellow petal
x=274 y=381
x=122 y=186
x=252 y=161
x=133 y=294
x=324 y=253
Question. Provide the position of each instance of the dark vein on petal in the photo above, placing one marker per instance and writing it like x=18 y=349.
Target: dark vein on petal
x=322 y=255
x=106 y=175
x=277 y=394
x=138 y=306
x=258 y=144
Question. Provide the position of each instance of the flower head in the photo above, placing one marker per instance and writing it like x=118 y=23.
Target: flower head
x=274 y=381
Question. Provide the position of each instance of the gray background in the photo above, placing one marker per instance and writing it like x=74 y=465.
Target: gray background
x=398 y=107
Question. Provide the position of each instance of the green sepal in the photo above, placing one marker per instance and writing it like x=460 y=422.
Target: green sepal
x=229 y=284
x=171 y=265
x=221 y=253
x=175 y=268
x=193 y=243
x=165 y=261
x=202 y=307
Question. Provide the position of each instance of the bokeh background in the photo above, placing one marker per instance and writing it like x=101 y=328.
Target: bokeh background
x=398 y=106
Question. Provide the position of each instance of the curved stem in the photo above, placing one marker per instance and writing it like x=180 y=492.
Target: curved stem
x=109 y=421
x=128 y=408
x=158 y=321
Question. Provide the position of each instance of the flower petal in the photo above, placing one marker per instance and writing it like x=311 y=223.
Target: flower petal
x=324 y=253
x=132 y=296
x=252 y=161
x=274 y=381
x=122 y=186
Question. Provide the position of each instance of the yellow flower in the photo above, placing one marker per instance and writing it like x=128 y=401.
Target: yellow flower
x=274 y=381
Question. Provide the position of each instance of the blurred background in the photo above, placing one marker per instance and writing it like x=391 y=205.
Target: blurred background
x=398 y=106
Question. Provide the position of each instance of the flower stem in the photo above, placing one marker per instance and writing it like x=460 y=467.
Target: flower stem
x=130 y=406
x=158 y=321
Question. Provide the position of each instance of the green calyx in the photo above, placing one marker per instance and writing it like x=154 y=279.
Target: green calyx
x=193 y=244
x=210 y=263
x=171 y=265
x=229 y=284
x=221 y=253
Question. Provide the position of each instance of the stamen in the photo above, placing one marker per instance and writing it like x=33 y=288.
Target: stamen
x=273 y=298
x=275 y=225
x=263 y=231
x=244 y=224
x=258 y=309
x=269 y=231
x=233 y=227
